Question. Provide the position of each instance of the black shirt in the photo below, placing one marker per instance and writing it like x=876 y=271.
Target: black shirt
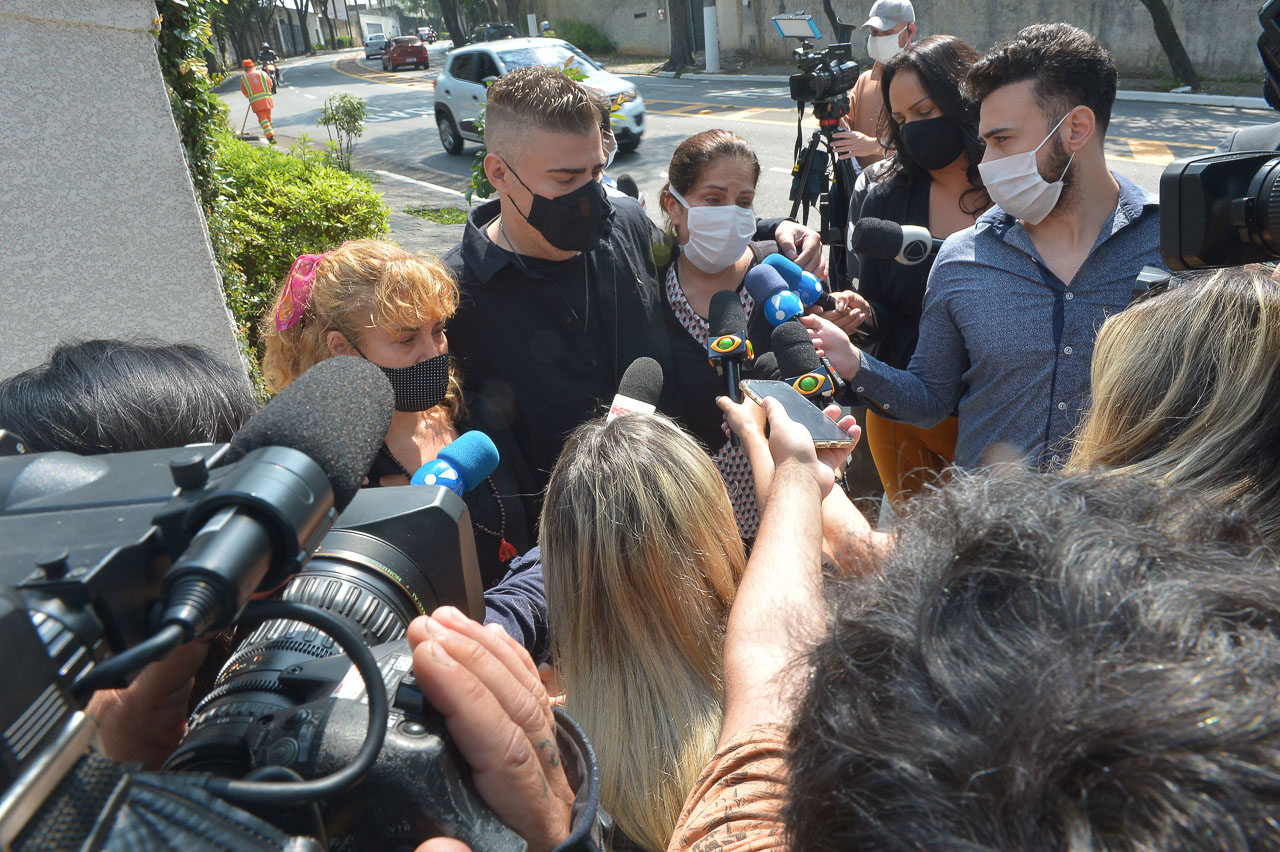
x=520 y=338
x=696 y=379
x=510 y=479
x=894 y=291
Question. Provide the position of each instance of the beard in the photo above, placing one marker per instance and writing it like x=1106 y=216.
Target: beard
x=1059 y=159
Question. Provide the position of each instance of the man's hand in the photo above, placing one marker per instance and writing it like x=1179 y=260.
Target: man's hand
x=850 y=312
x=146 y=720
x=832 y=342
x=802 y=245
x=487 y=688
x=851 y=143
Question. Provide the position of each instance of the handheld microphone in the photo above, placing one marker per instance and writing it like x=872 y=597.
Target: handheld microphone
x=799 y=364
x=907 y=244
x=804 y=284
x=769 y=290
x=727 y=345
x=461 y=465
x=639 y=390
x=301 y=459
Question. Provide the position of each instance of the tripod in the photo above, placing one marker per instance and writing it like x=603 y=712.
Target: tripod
x=811 y=187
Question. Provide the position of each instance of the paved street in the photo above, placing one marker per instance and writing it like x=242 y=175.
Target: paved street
x=401 y=136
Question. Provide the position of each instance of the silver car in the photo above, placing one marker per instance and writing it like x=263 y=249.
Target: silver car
x=374 y=44
x=460 y=88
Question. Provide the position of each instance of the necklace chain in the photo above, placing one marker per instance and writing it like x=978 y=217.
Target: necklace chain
x=586 y=279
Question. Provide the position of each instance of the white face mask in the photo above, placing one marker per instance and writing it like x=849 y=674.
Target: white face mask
x=883 y=48
x=717 y=235
x=1015 y=184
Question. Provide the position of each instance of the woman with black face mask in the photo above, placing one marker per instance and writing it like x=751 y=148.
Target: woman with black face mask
x=931 y=180
x=373 y=300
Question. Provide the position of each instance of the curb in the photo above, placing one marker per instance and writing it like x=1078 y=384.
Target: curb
x=1237 y=102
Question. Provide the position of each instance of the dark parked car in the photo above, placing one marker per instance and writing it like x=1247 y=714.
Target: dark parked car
x=403 y=51
x=492 y=31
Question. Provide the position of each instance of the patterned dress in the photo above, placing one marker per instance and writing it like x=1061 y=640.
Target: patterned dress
x=730 y=460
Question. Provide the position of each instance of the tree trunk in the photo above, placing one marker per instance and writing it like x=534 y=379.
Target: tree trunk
x=301 y=7
x=322 y=6
x=833 y=19
x=1167 y=33
x=681 y=36
x=453 y=22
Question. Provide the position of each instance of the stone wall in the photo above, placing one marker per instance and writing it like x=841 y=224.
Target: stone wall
x=100 y=231
x=1220 y=35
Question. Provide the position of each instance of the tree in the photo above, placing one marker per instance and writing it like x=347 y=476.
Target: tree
x=246 y=22
x=1167 y=33
x=322 y=7
x=681 y=36
x=301 y=6
x=453 y=22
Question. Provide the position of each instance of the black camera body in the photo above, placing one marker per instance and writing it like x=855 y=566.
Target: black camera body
x=826 y=76
x=1220 y=210
x=87 y=545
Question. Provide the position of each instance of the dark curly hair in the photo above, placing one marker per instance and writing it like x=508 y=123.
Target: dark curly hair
x=940 y=61
x=1069 y=66
x=1071 y=662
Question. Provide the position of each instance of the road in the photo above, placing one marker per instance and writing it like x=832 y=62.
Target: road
x=400 y=135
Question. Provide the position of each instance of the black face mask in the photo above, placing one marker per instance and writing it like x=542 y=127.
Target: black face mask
x=932 y=143
x=575 y=221
x=417 y=388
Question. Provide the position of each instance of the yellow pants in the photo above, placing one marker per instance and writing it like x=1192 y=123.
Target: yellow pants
x=907 y=457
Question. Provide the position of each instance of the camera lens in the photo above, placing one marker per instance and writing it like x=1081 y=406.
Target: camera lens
x=358 y=577
x=1266 y=195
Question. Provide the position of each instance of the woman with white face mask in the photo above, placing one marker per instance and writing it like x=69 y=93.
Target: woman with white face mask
x=708 y=205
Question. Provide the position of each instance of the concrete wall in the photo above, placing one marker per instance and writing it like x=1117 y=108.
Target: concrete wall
x=1220 y=35
x=100 y=231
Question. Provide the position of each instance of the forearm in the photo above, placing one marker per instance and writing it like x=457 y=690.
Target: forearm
x=907 y=395
x=778 y=606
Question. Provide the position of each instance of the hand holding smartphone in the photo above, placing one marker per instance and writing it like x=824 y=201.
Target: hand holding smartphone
x=825 y=433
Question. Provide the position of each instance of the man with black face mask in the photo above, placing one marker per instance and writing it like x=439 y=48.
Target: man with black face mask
x=559 y=282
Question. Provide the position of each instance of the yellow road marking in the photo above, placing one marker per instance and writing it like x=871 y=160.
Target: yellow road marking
x=377 y=76
x=1149 y=151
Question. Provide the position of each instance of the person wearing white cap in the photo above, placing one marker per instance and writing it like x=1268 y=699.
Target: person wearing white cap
x=891 y=26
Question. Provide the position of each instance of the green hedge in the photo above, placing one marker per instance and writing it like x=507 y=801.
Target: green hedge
x=280 y=205
x=584 y=37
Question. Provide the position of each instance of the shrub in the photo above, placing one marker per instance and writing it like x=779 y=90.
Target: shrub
x=280 y=205
x=584 y=37
x=344 y=41
x=343 y=118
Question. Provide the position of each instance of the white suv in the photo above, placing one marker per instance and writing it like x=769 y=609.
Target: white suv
x=460 y=88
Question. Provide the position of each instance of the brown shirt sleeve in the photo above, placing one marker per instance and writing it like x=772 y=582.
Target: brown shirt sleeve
x=736 y=805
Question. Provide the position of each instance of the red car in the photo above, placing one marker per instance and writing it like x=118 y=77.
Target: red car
x=403 y=51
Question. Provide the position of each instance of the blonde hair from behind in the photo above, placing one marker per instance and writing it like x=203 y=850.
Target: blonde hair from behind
x=1186 y=390
x=363 y=284
x=641 y=558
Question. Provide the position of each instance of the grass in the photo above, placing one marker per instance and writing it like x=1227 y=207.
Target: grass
x=440 y=215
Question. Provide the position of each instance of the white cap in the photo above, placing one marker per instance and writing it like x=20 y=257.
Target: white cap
x=887 y=14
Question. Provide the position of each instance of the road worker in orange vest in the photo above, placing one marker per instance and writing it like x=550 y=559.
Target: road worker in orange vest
x=256 y=86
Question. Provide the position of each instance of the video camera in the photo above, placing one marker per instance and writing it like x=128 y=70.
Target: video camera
x=109 y=562
x=826 y=75
x=1224 y=209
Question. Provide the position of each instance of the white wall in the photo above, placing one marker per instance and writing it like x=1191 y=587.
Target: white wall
x=100 y=231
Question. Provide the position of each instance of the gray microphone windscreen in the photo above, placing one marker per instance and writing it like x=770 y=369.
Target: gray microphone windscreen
x=337 y=413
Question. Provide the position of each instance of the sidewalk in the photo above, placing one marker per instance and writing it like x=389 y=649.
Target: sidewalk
x=413 y=233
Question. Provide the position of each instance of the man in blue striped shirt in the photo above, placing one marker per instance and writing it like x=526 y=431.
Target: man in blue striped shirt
x=1013 y=303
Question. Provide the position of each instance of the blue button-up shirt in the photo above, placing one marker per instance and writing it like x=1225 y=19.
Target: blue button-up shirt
x=1006 y=343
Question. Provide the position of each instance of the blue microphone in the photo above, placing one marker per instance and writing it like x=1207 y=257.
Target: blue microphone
x=770 y=292
x=804 y=284
x=460 y=465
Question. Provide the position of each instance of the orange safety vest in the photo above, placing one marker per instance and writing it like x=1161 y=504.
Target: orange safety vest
x=256 y=86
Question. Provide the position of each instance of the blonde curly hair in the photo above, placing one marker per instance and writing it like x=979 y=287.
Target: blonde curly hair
x=363 y=284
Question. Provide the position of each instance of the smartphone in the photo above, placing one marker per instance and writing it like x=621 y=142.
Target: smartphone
x=824 y=431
